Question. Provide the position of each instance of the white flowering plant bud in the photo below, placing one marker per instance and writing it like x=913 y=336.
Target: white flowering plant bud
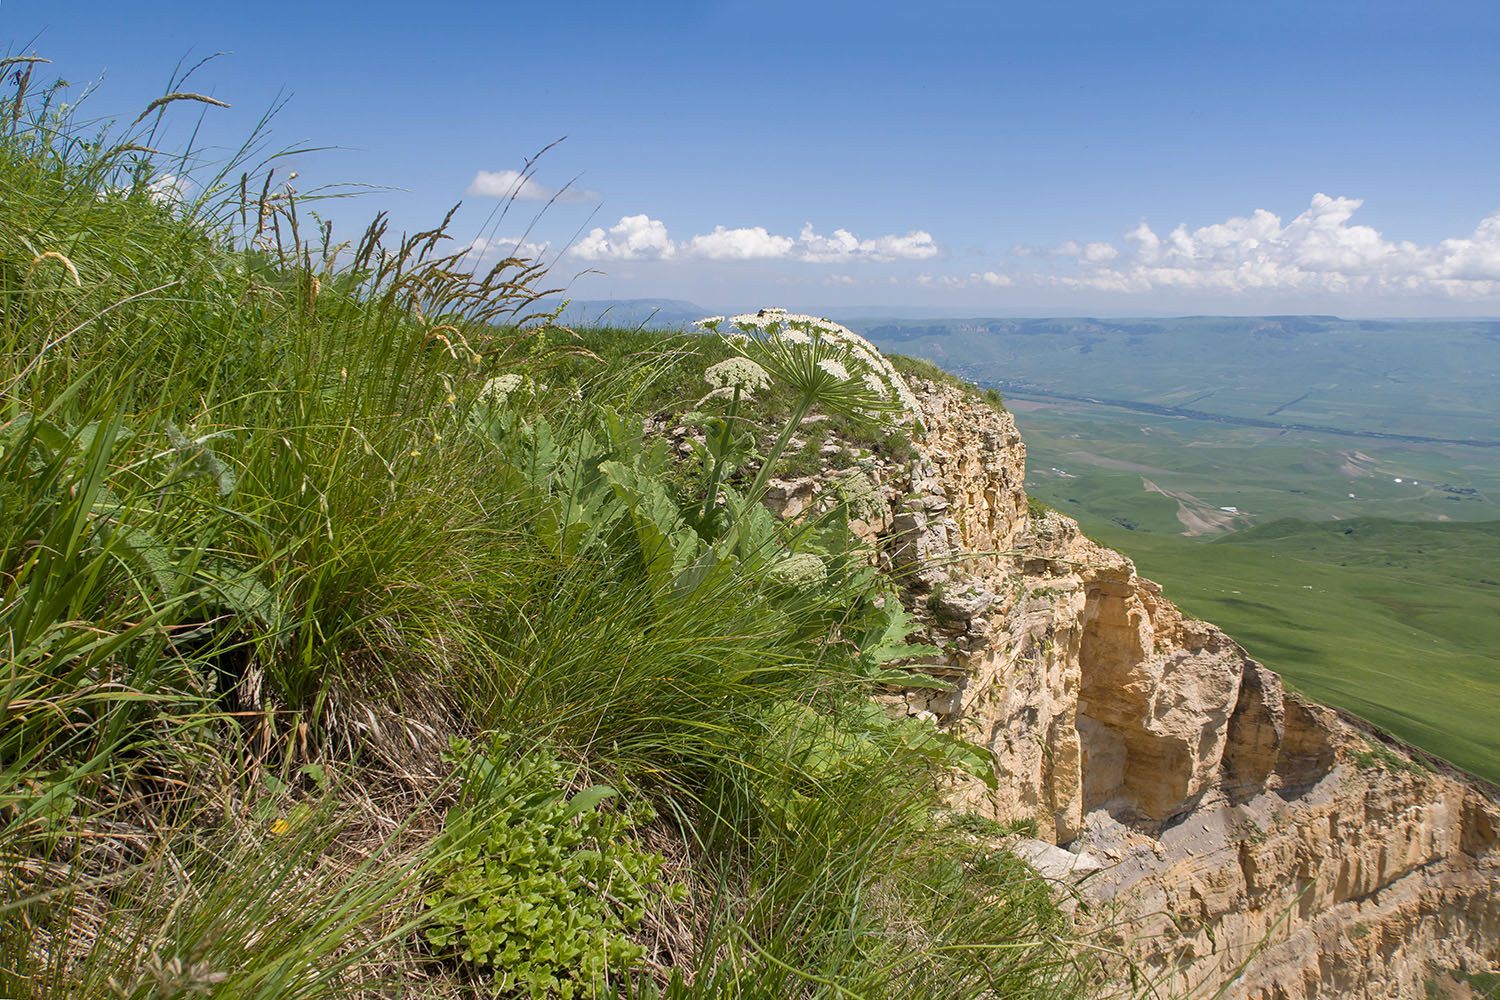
x=492 y=416
x=801 y=572
x=497 y=390
x=733 y=379
x=738 y=371
x=862 y=498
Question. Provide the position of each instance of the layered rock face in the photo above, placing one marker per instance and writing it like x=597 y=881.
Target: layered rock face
x=1245 y=834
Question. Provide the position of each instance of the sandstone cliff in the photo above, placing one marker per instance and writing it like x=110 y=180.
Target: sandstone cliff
x=1242 y=835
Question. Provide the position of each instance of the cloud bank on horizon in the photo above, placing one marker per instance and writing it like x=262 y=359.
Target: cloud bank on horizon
x=1317 y=252
x=640 y=237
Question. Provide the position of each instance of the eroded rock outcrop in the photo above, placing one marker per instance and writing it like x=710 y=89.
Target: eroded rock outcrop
x=1251 y=836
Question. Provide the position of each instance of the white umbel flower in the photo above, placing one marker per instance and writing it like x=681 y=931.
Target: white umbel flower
x=501 y=386
x=800 y=352
x=737 y=372
x=834 y=368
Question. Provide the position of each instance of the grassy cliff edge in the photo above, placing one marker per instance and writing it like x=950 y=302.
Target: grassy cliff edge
x=361 y=640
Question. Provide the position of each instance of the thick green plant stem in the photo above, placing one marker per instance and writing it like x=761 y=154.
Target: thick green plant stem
x=717 y=476
x=757 y=488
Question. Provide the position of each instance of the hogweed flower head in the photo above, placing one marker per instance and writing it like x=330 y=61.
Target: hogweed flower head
x=821 y=359
x=737 y=371
x=734 y=375
x=499 y=388
x=823 y=364
x=835 y=368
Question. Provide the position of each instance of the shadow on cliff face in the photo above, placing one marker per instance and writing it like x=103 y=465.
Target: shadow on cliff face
x=1170 y=710
x=1276 y=741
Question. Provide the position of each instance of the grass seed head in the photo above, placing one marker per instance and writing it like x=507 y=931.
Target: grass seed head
x=54 y=255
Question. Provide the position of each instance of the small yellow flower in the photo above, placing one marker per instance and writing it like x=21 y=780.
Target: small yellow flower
x=280 y=826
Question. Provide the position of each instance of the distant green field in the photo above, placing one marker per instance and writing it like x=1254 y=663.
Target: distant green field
x=1105 y=463
x=1422 y=378
x=1162 y=422
x=1397 y=622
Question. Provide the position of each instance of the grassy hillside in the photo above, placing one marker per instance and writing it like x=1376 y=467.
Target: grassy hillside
x=1398 y=622
x=360 y=641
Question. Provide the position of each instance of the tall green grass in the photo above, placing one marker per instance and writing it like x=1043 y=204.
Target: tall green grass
x=268 y=546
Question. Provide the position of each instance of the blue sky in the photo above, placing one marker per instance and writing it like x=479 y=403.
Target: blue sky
x=1042 y=158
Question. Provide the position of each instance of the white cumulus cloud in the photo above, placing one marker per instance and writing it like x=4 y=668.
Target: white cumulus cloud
x=989 y=279
x=523 y=187
x=844 y=245
x=747 y=243
x=638 y=237
x=926 y=280
x=1086 y=253
x=1098 y=253
x=1471 y=258
x=1319 y=251
x=635 y=237
x=170 y=189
